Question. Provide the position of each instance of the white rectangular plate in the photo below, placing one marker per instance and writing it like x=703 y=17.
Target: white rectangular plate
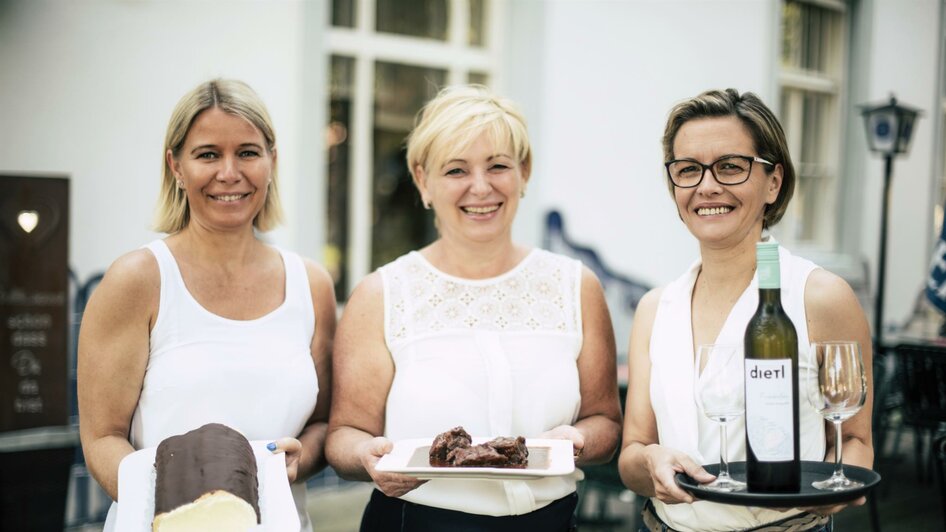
x=547 y=458
x=136 y=477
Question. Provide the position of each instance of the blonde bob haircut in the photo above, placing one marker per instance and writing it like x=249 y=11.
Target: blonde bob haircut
x=764 y=128
x=233 y=97
x=455 y=118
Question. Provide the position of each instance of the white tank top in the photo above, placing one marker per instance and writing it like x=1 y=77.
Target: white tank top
x=497 y=356
x=256 y=376
x=679 y=423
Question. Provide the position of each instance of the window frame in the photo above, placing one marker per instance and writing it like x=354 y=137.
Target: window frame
x=366 y=46
x=793 y=84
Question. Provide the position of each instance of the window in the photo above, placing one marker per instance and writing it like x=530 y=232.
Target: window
x=811 y=81
x=388 y=57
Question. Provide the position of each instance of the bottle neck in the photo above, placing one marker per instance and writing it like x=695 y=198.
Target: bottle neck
x=770 y=297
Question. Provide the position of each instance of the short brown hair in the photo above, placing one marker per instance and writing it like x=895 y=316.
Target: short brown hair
x=233 y=97
x=764 y=128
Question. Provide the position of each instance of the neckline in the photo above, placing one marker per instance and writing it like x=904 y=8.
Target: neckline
x=488 y=280
x=214 y=315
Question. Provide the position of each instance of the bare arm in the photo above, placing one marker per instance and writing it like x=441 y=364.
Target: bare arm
x=311 y=456
x=834 y=313
x=363 y=373
x=599 y=419
x=646 y=467
x=113 y=355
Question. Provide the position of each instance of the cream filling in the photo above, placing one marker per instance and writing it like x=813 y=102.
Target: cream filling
x=220 y=511
x=713 y=210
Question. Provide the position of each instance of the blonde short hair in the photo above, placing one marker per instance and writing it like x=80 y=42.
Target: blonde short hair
x=456 y=117
x=763 y=127
x=233 y=97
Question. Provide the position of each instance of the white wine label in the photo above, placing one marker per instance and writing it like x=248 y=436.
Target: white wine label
x=769 y=421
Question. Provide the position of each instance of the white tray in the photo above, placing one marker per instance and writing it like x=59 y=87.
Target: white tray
x=547 y=458
x=136 y=477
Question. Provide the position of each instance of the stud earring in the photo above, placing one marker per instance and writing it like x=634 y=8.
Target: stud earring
x=180 y=184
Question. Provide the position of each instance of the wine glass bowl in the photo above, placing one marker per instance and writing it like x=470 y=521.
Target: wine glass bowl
x=837 y=392
x=720 y=394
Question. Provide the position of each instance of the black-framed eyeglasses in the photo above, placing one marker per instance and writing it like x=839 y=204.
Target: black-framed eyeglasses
x=728 y=170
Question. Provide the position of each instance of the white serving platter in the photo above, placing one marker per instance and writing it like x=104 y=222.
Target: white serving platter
x=136 y=476
x=547 y=458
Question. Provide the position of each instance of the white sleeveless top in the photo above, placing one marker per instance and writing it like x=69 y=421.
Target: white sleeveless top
x=679 y=423
x=256 y=376
x=497 y=356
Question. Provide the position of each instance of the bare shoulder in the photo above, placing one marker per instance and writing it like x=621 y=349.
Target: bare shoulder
x=368 y=295
x=832 y=308
x=134 y=274
x=647 y=307
x=827 y=292
x=130 y=291
x=590 y=284
x=320 y=280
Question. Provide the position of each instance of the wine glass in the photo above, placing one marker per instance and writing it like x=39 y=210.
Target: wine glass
x=720 y=393
x=837 y=393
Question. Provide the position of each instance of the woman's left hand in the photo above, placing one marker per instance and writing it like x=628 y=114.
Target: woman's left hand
x=567 y=432
x=834 y=508
x=293 y=449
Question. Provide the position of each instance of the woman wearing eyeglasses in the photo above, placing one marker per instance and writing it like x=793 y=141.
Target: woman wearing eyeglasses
x=731 y=177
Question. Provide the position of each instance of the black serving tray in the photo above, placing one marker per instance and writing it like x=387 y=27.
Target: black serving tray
x=808 y=496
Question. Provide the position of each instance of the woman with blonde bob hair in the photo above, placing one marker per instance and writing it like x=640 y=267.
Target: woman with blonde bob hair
x=476 y=331
x=210 y=324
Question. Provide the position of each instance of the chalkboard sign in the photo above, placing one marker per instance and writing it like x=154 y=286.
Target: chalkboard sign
x=34 y=298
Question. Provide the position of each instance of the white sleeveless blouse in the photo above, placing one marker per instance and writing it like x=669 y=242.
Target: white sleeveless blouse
x=256 y=376
x=679 y=423
x=497 y=356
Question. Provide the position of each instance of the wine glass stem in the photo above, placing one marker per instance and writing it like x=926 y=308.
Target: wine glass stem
x=838 y=444
x=723 y=461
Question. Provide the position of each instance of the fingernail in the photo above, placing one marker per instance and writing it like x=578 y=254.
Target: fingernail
x=271 y=446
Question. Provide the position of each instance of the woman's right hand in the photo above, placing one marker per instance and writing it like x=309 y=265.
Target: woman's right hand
x=663 y=464
x=391 y=484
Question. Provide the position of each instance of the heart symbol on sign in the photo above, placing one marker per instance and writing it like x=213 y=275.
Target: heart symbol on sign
x=27 y=220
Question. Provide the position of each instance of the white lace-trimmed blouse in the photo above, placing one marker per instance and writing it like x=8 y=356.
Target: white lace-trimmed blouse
x=497 y=356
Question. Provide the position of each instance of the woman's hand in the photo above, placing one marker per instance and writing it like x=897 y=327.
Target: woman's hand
x=391 y=484
x=833 y=508
x=293 y=449
x=663 y=464
x=567 y=432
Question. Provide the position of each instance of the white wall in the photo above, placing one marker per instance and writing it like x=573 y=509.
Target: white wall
x=87 y=88
x=612 y=71
x=903 y=59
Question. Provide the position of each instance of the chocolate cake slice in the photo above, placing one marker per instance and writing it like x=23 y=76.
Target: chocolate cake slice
x=206 y=480
x=446 y=442
x=454 y=449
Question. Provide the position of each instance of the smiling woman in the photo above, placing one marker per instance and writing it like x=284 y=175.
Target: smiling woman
x=210 y=324
x=225 y=169
x=731 y=177
x=473 y=330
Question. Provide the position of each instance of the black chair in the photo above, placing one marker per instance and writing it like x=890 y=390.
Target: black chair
x=622 y=294
x=939 y=449
x=921 y=369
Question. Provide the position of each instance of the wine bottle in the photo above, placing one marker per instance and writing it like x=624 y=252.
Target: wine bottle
x=771 y=366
